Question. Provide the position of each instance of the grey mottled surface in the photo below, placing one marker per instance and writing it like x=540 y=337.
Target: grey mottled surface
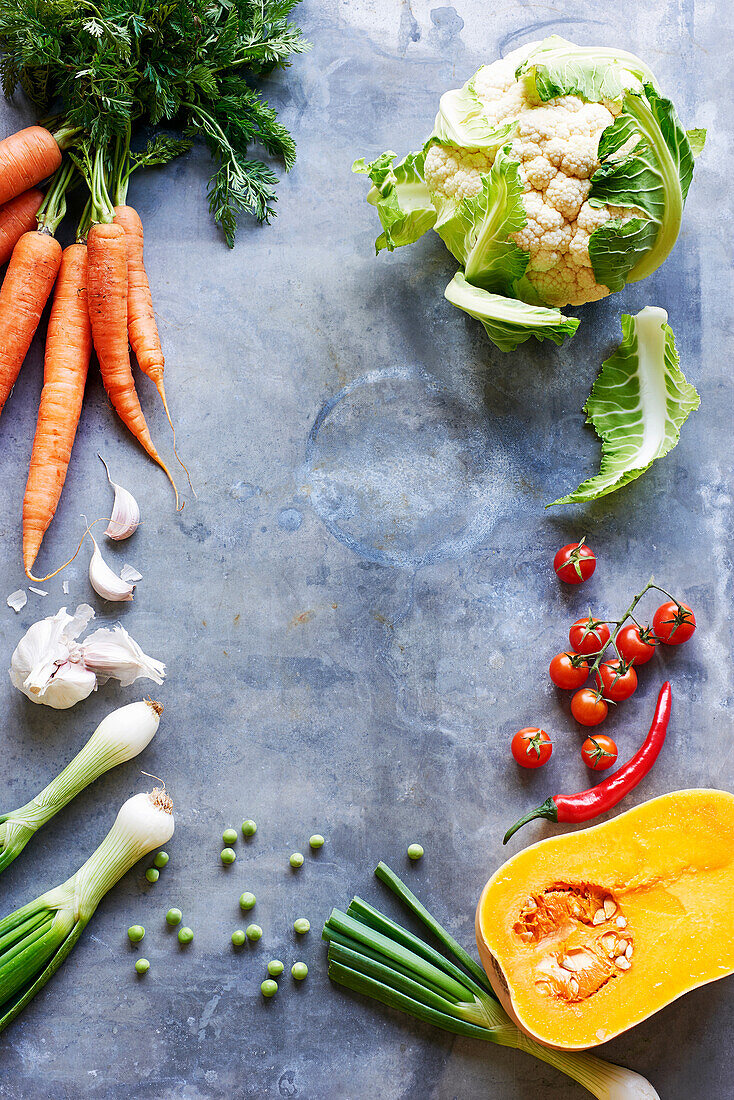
x=354 y=626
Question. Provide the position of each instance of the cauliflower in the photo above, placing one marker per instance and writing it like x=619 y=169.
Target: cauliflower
x=555 y=175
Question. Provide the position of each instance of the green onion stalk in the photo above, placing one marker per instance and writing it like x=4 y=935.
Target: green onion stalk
x=36 y=939
x=372 y=955
x=120 y=736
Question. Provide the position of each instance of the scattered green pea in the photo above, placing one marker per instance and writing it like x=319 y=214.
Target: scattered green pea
x=249 y=828
x=316 y=841
x=161 y=859
x=299 y=971
x=135 y=933
x=229 y=836
x=142 y=966
x=275 y=968
x=228 y=855
x=185 y=935
x=254 y=932
x=173 y=917
x=415 y=851
x=238 y=937
x=269 y=988
x=247 y=900
x=301 y=926
x=296 y=860
x=152 y=874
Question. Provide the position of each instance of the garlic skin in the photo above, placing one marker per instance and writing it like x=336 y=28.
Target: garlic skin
x=105 y=582
x=51 y=667
x=125 y=517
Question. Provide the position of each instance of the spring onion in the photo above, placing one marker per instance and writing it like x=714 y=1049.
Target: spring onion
x=372 y=955
x=119 y=737
x=36 y=939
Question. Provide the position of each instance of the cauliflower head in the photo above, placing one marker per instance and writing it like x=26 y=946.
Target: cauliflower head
x=555 y=175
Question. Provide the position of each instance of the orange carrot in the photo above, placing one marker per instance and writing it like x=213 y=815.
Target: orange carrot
x=108 y=313
x=16 y=218
x=68 y=348
x=141 y=325
x=25 y=290
x=26 y=158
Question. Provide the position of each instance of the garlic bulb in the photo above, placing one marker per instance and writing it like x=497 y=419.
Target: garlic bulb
x=104 y=581
x=50 y=666
x=125 y=516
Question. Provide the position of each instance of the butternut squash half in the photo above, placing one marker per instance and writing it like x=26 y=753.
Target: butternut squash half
x=587 y=934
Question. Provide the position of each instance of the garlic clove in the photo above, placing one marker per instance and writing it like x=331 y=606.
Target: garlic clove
x=113 y=653
x=125 y=516
x=105 y=582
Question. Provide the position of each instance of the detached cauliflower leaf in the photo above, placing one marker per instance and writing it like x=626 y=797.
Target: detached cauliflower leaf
x=556 y=175
x=637 y=405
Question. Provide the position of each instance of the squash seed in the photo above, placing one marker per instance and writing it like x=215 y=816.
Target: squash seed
x=573 y=987
x=609 y=942
x=628 y=951
x=599 y=917
x=622 y=963
x=610 y=907
x=621 y=922
x=621 y=947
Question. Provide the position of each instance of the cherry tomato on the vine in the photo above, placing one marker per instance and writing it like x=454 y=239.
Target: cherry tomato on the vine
x=531 y=747
x=588 y=708
x=599 y=752
x=588 y=635
x=565 y=674
x=673 y=623
x=616 y=680
x=574 y=563
x=636 y=643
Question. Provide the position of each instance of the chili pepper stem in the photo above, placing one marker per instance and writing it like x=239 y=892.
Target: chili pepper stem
x=548 y=810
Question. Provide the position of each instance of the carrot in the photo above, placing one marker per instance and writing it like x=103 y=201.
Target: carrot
x=108 y=283
x=25 y=290
x=16 y=218
x=26 y=158
x=68 y=348
x=141 y=324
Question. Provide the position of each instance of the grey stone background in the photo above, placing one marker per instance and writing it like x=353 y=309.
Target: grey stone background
x=357 y=616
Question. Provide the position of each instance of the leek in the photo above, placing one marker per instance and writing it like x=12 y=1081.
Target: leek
x=372 y=955
x=120 y=736
x=35 y=939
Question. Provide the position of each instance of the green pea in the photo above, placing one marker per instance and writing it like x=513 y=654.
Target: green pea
x=238 y=937
x=296 y=860
x=142 y=966
x=152 y=874
x=415 y=851
x=135 y=933
x=247 y=900
x=316 y=841
x=227 y=856
x=249 y=828
x=299 y=971
x=229 y=836
x=173 y=917
x=161 y=859
x=254 y=932
x=275 y=968
x=269 y=988
x=185 y=935
x=301 y=926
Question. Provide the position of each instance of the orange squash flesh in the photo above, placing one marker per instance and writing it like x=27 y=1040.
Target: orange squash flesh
x=573 y=975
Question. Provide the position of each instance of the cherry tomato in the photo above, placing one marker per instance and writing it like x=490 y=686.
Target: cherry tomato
x=673 y=623
x=565 y=674
x=588 y=635
x=636 y=643
x=574 y=563
x=531 y=747
x=588 y=708
x=617 y=680
x=599 y=752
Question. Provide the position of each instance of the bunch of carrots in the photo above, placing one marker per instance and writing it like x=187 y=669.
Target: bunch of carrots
x=101 y=298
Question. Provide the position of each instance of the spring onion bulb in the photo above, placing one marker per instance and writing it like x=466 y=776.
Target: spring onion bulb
x=372 y=955
x=120 y=736
x=36 y=939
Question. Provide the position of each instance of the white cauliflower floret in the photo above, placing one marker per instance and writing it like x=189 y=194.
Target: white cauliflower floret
x=555 y=145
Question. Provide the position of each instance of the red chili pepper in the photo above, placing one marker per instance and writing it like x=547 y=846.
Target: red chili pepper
x=588 y=804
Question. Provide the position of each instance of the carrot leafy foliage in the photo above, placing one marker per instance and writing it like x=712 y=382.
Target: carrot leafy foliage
x=104 y=65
